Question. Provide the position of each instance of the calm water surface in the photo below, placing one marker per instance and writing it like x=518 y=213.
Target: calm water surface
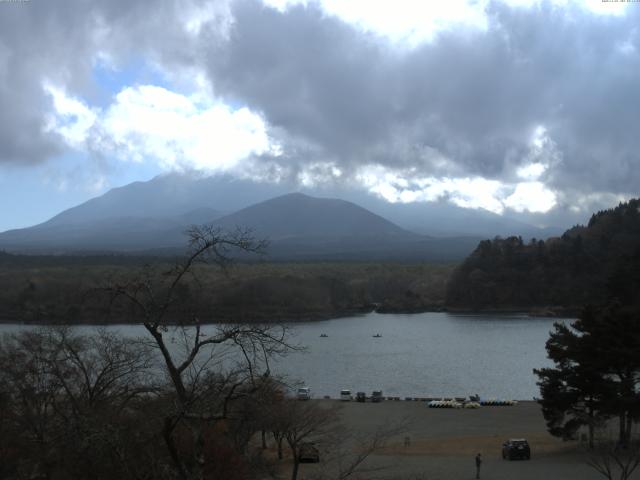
x=428 y=354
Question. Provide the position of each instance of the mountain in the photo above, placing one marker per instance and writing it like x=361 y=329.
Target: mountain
x=169 y=196
x=300 y=227
x=175 y=194
x=587 y=265
x=300 y=216
x=154 y=214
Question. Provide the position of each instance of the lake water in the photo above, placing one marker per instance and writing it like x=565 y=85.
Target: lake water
x=428 y=355
x=425 y=355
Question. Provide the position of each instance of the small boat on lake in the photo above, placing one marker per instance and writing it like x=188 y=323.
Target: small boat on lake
x=323 y=335
x=377 y=335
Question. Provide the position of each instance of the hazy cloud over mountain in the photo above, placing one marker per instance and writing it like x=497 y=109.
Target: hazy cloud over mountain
x=522 y=109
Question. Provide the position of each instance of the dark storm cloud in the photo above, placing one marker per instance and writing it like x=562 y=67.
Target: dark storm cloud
x=474 y=96
x=32 y=42
x=311 y=75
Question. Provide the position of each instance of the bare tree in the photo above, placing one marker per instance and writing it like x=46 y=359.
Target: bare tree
x=203 y=386
x=99 y=370
x=68 y=401
x=31 y=393
x=344 y=454
x=348 y=453
x=614 y=461
x=304 y=422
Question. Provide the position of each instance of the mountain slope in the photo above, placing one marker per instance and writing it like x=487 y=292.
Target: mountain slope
x=168 y=196
x=122 y=233
x=300 y=227
x=300 y=216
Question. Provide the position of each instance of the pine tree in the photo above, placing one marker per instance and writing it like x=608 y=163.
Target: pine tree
x=596 y=373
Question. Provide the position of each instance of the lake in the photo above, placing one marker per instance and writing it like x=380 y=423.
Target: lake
x=417 y=355
x=427 y=355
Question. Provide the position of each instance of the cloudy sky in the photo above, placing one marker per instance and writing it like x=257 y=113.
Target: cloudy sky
x=524 y=108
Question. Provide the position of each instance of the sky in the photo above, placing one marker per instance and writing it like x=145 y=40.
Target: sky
x=524 y=108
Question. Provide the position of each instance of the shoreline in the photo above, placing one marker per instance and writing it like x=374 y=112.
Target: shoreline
x=538 y=312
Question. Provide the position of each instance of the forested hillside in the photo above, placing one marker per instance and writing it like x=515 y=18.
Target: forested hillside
x=585 y=266
x=61 y=289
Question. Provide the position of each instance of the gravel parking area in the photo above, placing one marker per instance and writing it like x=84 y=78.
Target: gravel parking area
x=442 y=443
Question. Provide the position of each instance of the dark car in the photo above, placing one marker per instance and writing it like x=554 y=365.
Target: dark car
x=361 y=397
x=308 y=453
x=516 y=448
x=376 y=396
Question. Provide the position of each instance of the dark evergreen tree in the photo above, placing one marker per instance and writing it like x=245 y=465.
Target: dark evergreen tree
x=560 y=274
x=596 y=373
x=574 y=392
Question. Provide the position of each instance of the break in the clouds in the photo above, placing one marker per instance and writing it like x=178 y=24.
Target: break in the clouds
x=527 y=106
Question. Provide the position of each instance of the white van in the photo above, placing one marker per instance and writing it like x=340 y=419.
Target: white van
x=345 y=395
x=304 y=393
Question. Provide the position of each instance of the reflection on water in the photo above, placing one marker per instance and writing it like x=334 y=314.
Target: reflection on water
x=427 y=354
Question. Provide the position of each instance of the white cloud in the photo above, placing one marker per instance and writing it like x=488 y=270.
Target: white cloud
x=196 y=15
x=401 y=20
x=601 y=7
x=415 y=22
x=531 y=171
x=408 y=19
x=467 y=192
x=532 y=197
x=319 y=173
x=476 y=192
x=542 y=156
x=282 y=5
x=72 y=119
x=152 y=123
x=605 y=8
x=585 y=203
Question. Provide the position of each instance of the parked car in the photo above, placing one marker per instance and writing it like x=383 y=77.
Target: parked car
x=516 y=448
x=345 y=395
x=361 y=397
x=376 y=396
x=304 y=393
x=308 y=453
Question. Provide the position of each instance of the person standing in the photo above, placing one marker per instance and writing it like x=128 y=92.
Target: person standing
x=478 y=464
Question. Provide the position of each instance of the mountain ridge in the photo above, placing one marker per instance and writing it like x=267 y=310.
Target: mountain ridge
x=152 y=216
x=298 y=227
x=174 y=194
x=302 y=215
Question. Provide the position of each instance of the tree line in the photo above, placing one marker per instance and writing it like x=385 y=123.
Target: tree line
x=248 y=292
x=580 y=267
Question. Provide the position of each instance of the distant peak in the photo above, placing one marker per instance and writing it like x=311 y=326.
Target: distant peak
x=296 y=195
